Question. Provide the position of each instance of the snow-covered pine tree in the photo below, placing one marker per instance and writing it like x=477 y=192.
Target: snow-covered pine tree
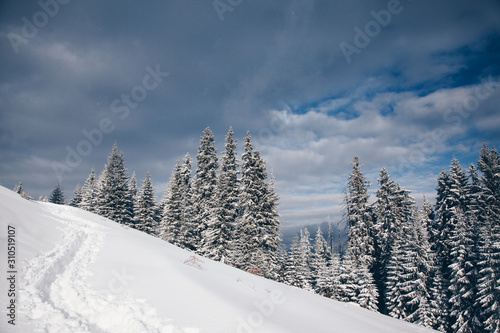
x=293 y=264
x=133 y=191
x=146 y=219
x=425 y=310
x=271 y=238
x=489 y=245
x=171 y=221
x=359 y=217
x=432 y=316
x=319 y=265
x=443 y=208
x=407 y=293
x=177 y=224
x=282 y=264
x=397 y=276
x=257 y=228
x=298 y=272
x=89 y=193
x=455 y=246
x=367 y=290
x=77 y=196
x=57 y=195
x=304 y=272
x=464 y=309
x=113 y=199
x=19 y=190
x=205 y=186
x=220 y=230
x=386 y=225
x=348 y=277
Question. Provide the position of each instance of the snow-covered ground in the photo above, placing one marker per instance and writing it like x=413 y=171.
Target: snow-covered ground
x=79 y=272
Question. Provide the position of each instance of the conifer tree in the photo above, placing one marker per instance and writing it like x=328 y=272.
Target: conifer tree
x=220 y=229
x=386 y=224
x=57 y=196
x=298 y=271
x=77 y=196
x=489 y=245
x=146 y=219
x=19 y=190
x=113 y=199
x=205 y=186
x=89 y=193
x=359 y=217
x=257 y=230
x=319 y=264
x=293 y=264
x=177 y=224
x=430 y=315
x=348 y=277
x=133 y=193
x=305 y=274
x=356 y=283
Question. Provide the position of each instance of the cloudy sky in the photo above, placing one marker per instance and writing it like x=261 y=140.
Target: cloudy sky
x=401 y=84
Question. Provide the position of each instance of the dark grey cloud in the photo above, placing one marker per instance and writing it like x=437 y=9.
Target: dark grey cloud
x=262 y=58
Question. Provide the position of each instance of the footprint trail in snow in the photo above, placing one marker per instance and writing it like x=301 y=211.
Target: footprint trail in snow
x=55 y=295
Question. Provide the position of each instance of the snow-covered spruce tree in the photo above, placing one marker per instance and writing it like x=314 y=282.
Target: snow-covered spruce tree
x=386 y=224
x=57 y=195
x=282 y=264
x=428 y=263
x=19 y=190
x=220 y=229
x=172 y=211
x=305 y=273
x=145 y=217
x=319 y=265
x=407 y=293
x=450 y=240
x=399 y=271
x=425 y=310
x=271 y=238
x=359 y=217
x=113 y=199
x=133 y=191
x=489 y=245
x=464 y=309
x=443 y=227
x=89 y=193
x=77 y=196
x=257 y=229
x=177 y=224
x=205 y=187
x=293 y=264
x=367 y=290
x=298 y=272
x=356 y=283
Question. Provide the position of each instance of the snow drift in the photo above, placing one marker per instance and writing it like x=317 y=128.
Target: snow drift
x=79 y=272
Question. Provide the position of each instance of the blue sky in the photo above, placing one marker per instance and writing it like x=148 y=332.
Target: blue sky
x=404 y=85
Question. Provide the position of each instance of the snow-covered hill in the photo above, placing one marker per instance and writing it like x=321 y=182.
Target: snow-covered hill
x=78 y=272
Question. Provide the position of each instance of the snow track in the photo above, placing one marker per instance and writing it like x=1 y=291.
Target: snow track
x=54 y=294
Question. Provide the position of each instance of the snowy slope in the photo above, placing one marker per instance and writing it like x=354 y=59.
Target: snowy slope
x=79 y=272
